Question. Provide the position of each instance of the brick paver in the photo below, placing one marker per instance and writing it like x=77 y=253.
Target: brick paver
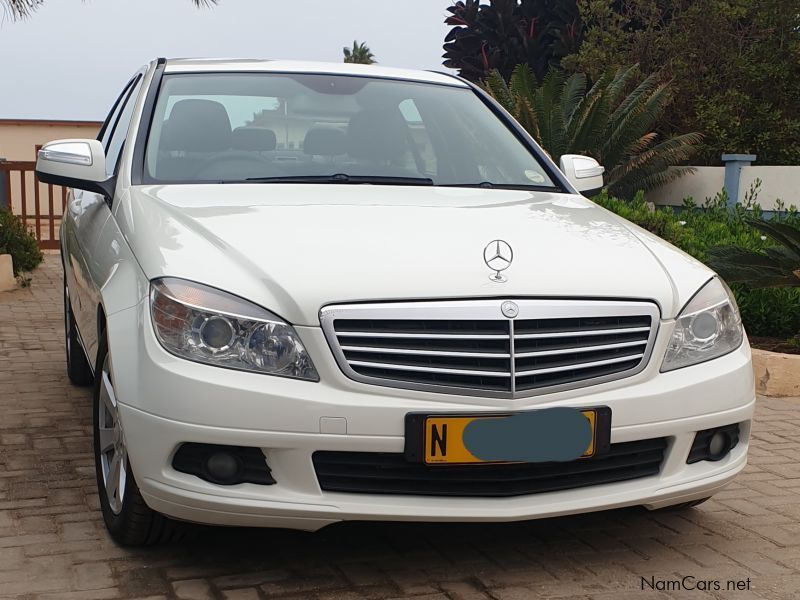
x=53 y=545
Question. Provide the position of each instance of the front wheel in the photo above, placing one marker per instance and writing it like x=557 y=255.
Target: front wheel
x=128 y=519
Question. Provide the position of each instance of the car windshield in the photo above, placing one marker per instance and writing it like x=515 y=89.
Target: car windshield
x=316 y=128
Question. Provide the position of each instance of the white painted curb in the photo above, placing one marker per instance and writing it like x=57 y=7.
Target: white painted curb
x=7 y=279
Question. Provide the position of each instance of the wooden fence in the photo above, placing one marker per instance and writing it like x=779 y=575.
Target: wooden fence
x=39 y=205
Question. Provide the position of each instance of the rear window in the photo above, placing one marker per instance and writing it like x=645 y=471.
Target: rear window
x=235 y=127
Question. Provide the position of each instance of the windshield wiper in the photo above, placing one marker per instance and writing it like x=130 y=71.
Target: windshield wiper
x=505 y=186
x=343 y=178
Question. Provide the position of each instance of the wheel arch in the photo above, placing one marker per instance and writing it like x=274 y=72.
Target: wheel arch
x=101 y=321
x=123 y=290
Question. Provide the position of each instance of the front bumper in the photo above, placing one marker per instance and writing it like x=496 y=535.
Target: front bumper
x=166 y=401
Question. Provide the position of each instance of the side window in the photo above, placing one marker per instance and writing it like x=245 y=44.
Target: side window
x=114 y=143
x=108 y=124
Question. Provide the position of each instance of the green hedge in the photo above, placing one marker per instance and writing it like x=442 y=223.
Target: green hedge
x=694 y=229
x=17 y=241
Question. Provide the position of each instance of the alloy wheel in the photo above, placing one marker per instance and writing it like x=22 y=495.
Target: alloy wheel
x=113 y=454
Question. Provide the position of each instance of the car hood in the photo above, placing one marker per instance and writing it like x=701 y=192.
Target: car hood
x=296 y=248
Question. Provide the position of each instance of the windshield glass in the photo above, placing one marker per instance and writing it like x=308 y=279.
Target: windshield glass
x=234 y=127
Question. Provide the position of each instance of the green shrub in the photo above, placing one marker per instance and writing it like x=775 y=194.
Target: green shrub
x=662 y=222
x=696 y=229
x=17 y=241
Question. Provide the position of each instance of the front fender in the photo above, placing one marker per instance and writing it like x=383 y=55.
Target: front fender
x=122 y=283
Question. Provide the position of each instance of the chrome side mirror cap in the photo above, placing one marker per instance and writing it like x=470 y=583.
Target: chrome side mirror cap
x=74 y=163
x=583 y=172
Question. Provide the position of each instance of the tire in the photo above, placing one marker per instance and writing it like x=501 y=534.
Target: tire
x=129 y=520
x=78 y=369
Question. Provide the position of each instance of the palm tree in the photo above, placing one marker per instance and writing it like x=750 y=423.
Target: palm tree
x=360 y=54
x=22 y=8
x=614 y=121
x=778 y=266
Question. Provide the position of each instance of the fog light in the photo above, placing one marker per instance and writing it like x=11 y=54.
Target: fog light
x=223 y=467
x=713 y=444
x=719 y=445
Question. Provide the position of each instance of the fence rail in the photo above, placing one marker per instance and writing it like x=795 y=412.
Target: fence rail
x=39 y=205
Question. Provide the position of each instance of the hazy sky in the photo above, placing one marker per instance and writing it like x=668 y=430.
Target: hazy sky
x=72 y=57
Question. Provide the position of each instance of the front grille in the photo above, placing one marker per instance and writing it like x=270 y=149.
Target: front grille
x=551 y=344
x=384 y=473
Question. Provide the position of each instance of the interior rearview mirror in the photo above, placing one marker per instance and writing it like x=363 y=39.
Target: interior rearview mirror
x=79 y=164
x=583 y=172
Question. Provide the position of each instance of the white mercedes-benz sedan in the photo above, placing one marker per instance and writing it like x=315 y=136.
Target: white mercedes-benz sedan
x=308 y=293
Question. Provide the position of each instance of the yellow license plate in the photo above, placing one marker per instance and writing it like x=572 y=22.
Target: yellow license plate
x=443 y=438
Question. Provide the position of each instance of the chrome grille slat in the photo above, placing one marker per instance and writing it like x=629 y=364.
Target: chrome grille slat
x=469 y=348
x=579 y=333
x=426 y=336
x=424 y=369
x=578 y=366
x=580 y=349
x=422 y=352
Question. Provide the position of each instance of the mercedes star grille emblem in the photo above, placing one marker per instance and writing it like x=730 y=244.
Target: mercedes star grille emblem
x=498 y=256
x=510 y=309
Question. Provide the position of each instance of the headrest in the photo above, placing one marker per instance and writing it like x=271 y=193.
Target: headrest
x=377 y=134
x=197 y=125
x=325 y=142
x=253 y=138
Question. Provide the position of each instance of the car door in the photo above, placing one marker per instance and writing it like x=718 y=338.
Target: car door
x=87 y=213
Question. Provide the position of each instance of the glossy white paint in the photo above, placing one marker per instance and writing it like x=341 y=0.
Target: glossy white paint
x=196 y=65
x=74 y=158
x=583 y=172
x=296 y=248
x=171 y=401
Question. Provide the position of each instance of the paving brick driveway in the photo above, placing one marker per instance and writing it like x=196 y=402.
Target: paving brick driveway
x=53 y=545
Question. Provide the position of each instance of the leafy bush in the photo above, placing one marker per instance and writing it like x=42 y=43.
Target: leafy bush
x=735 y=66
x=775 y=267
x=501 y=34
x=17 y=241
x=696 y=230
x=615 y=121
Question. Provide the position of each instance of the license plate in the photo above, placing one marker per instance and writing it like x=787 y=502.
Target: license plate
x=440 y=439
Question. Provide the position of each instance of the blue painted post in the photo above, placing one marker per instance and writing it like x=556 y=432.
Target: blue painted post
x=733 y=174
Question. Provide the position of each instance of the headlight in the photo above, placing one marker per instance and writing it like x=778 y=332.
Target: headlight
x=206 y=325
x=708 y=327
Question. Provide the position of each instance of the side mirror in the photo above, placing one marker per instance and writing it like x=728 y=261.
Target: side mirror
x=79 y=164
x=583 y=172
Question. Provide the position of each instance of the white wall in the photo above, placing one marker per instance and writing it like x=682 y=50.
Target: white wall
x=777 y=183
x=704 y=183
x=19 y=138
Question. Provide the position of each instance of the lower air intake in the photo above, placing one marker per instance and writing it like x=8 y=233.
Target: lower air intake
x=385 y=473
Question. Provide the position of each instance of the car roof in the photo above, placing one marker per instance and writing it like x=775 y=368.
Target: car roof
x=199 y=65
